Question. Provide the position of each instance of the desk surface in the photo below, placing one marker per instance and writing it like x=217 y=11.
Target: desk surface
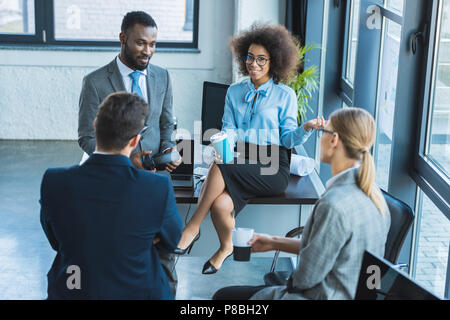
x=301 y=190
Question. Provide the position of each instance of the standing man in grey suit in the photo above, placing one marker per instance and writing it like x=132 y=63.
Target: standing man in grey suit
x=131 y=71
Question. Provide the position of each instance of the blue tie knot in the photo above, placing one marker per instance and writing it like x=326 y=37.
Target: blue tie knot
x=135 y=76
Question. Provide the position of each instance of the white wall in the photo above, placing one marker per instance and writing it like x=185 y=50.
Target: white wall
x=39 y=92
x=39 y=89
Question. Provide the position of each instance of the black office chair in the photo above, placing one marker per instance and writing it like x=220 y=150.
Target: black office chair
x=402 y=217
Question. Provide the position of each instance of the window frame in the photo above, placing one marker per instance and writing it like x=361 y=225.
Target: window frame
x=410 y=173
x=45 y=33
x=428 y=175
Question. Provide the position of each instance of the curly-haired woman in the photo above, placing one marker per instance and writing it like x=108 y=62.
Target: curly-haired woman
x=260 y=111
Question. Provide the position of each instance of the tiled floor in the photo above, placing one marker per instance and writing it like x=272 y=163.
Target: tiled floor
x=26 y=256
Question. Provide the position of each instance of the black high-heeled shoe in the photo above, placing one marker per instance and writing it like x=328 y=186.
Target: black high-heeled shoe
x=189 y=248
x=208 y=268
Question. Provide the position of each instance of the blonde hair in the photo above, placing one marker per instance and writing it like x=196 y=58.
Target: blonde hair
x=357 y=131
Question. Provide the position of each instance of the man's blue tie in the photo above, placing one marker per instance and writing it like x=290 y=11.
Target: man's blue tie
x=135 y=85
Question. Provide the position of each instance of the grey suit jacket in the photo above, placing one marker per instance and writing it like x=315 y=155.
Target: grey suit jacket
x=343 y=224
x=100 y=83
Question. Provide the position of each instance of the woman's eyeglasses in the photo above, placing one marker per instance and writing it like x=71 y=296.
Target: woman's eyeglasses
x=260 y=61
x=320 y=132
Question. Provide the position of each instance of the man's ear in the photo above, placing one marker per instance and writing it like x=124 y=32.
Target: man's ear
x=134 y=141
x=123 y=38
x=95 y=123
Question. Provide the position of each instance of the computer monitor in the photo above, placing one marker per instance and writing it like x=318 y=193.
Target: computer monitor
x=213 y=104
x=186 y=149
x=380 y=280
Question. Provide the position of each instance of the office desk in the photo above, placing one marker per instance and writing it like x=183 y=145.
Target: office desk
x=300 y=191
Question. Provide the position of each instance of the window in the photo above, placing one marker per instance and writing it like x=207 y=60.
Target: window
x=395 y=5
x=95 y=23
x=17 y=17
x=432 y=247
x=432 y=161
x=387 y=93
x=396 y=65
x=438 y=139
x=352 y=41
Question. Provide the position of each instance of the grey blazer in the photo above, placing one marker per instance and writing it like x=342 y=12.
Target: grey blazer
x=343 y=224
x=100 y=83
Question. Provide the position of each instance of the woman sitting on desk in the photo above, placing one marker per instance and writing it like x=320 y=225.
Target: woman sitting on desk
x=350 y=217
x=261 y=111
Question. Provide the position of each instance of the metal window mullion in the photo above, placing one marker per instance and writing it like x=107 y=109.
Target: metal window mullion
x=347 y=37
x=435 y=182
x=429 y=76
x=391 y=15
x=323 y=58
x=346 y=92
x=40 y=19
x=431 y=90
x=447 y=277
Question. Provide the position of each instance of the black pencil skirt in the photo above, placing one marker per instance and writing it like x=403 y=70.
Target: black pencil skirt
x=254 y=178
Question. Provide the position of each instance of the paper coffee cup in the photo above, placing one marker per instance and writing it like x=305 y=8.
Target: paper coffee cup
x=241 y=248
x=220 y=143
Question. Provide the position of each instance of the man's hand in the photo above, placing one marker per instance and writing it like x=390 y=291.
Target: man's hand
x=173 y=165
x=137 y=162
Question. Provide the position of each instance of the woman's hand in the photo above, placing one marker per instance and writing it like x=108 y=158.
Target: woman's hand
x=217 y=158
x=315 y=124
x=261 y=243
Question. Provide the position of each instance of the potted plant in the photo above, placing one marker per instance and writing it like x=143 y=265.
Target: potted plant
x=304 y=84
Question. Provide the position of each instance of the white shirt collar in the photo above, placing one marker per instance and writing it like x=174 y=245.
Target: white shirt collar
x=333 y=179
x=125 y=70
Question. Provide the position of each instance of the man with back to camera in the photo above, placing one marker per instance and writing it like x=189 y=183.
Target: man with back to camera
x=131 y=71
x=105 y=217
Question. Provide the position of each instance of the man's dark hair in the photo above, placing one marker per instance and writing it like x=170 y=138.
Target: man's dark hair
x=137 y=17
x=121 y=116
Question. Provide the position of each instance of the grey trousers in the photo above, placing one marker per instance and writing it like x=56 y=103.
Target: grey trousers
x=168 y=261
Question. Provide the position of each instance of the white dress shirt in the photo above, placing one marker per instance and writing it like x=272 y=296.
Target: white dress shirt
x=125 y=71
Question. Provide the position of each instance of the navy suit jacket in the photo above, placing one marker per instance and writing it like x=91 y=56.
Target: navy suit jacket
x=102 y=217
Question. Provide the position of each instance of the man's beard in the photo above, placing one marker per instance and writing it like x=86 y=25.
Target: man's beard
x=132 y=62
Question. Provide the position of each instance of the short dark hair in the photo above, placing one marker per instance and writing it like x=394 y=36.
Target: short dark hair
x=137 y=17
x=120 y=117
x=278 y=41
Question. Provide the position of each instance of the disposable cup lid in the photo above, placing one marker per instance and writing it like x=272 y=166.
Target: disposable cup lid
x=218 y=137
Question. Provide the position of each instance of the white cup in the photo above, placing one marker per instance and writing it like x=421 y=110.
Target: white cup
x=241 y=247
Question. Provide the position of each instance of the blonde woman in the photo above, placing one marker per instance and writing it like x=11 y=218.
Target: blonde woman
x=351 y=216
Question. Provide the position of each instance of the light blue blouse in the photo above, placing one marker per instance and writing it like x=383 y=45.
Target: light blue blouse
x=271 y=120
